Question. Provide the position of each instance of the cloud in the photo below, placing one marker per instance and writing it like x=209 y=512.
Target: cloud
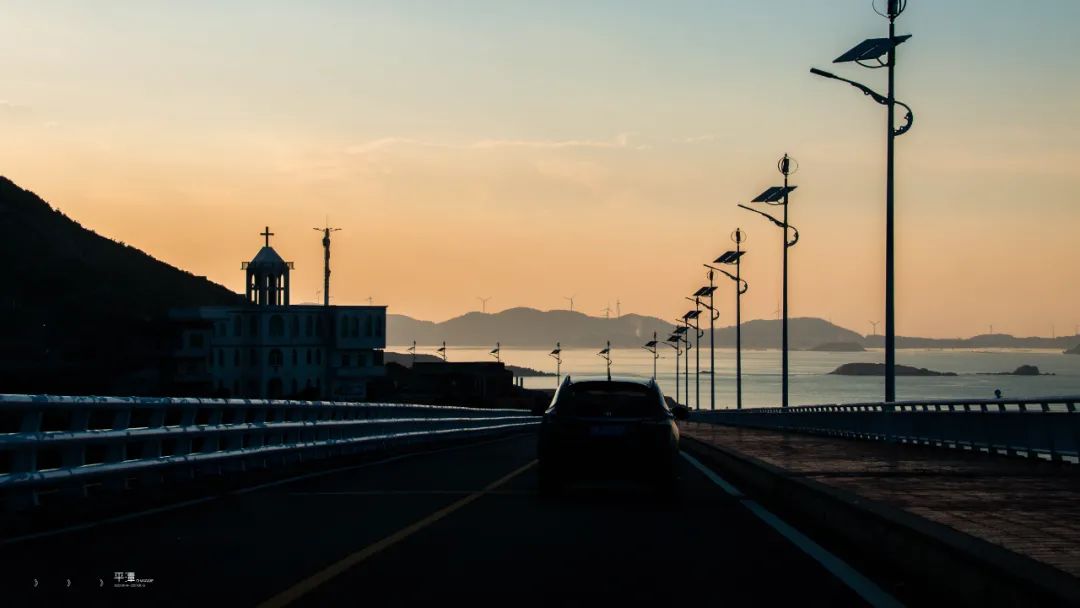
x=694 y=139
x=13 y=110
x=619 y=142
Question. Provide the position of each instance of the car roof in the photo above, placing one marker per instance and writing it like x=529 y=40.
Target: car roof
x=643 y=381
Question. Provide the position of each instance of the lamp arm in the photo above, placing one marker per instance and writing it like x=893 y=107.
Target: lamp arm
x=909 y=119
x=795 y=238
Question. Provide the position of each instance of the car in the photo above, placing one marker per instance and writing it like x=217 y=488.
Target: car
x=602 y=427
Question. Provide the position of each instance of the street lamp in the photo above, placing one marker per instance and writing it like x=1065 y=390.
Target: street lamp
x=651 y=347
x=673 y=341
x=778 y=195
x=497 y=352
x=693 y=316
x=681 y=332
x=606 y=355
x=713 y=316
x=442 y=350
x=872 y=50
x=557 y=355
x=741 y=287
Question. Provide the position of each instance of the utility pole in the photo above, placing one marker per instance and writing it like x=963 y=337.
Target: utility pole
x=326 y=261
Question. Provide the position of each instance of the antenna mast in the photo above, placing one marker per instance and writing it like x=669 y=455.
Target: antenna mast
x=326 y=261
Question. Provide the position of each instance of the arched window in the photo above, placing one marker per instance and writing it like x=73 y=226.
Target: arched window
x=277 y=326
x=370 y=331
x=253 y=325
x=276 y=358
x=295 y=325
x=355 y=328
x=238 y=326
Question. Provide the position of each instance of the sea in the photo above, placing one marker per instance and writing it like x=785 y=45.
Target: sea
x=810 y=380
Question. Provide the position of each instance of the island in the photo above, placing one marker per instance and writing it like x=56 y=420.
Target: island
x=878 y=369
x=839 y=347
x=1023 y=370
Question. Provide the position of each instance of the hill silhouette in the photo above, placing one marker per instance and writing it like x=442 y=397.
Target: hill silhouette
x=82 y=312
x=531 y=328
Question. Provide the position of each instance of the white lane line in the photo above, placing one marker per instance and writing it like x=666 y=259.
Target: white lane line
x=861 y=585
x=196 y=501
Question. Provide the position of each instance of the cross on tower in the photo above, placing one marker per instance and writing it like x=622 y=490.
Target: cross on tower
x=267 y=234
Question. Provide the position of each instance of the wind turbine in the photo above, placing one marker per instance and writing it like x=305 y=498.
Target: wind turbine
x=571 y=300
x=483 y=303
x=874 y=325
x=607 y=313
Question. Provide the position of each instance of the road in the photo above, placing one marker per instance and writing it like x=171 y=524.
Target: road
x=458 y=525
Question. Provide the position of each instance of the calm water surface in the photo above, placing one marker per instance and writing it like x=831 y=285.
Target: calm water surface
x=810 y=379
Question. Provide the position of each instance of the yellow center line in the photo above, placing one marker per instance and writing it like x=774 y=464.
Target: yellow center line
x=310 y=583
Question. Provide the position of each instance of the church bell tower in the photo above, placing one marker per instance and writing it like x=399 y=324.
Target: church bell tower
x=267 y=273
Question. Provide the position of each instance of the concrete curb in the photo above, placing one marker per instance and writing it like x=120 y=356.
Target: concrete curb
x=962 y=568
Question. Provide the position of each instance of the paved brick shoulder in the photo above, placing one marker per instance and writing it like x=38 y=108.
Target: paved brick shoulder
x=1028 y=507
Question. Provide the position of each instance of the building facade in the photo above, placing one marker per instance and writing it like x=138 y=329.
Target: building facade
x=271 y=349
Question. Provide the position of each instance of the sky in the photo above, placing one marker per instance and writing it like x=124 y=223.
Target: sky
x=530 y=151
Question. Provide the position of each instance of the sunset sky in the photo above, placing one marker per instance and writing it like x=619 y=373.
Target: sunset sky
x=529 y=151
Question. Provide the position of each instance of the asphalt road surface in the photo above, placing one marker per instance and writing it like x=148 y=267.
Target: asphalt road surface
x=458 y=526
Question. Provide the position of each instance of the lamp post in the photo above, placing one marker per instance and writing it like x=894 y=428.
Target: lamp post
x=693 y=315
x=606 y=355
x=741 y=287
x=442 y=351
x=681 y=332
x=673 y=341
x=651 y=347
x=497 y=352
x=709 y=290
x=778 y=196
x=872 y=50
x=557 y=355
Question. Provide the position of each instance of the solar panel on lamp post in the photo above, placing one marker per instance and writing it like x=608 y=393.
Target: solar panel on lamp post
x=681 y=332
x=741 y=287
x=606 y=354
x=872 y=50
x=713 y=316
x=778 y=195
x=651 y=347
x=673 y=341
x=694 y=315
x=557 y=355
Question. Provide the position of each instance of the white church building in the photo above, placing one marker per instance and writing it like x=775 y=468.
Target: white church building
x=270 y=348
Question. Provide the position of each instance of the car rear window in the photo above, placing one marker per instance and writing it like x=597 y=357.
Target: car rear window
x=616 y=399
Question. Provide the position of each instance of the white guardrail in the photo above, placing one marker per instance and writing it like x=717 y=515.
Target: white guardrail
x=71 y=444
x=1046 y=427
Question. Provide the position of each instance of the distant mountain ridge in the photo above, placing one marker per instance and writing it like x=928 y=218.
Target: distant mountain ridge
x=532 y=328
